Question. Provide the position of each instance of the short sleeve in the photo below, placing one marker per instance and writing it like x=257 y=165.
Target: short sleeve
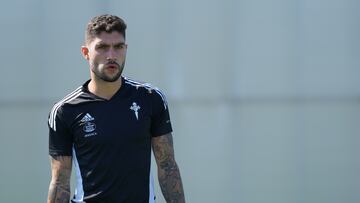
x=160 y=122
x=60 y=138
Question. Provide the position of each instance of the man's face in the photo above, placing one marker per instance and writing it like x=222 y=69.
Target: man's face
x=106 y=54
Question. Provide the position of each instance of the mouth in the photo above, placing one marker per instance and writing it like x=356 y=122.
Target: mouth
x=112 y=66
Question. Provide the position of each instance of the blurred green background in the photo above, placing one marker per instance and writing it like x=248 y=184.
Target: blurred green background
x=264 y=94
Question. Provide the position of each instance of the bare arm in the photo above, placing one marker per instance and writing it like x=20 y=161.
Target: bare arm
x=168 y=171
x=59 y=189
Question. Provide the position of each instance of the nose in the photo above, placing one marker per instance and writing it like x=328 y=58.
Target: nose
x=111 y=55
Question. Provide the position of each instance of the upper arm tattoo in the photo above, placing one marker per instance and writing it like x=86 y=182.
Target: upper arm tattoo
x=168 y=171
x=59 y=189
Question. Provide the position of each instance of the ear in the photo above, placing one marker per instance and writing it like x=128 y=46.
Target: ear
x=85 y=52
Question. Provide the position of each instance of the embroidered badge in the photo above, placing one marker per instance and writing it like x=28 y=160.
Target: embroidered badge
x=135 y=108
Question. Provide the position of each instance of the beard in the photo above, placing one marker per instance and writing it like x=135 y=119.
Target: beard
x=101 y=74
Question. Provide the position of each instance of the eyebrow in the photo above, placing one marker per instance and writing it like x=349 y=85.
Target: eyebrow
x=120 y=43
x=105 y=44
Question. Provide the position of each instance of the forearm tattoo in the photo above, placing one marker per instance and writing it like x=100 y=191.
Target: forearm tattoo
x=168 y=171
x=59 y=189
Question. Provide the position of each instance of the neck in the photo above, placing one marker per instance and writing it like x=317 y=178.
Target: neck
x=104 y=89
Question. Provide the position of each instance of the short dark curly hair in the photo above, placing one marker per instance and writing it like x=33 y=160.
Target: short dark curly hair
x=107 y=23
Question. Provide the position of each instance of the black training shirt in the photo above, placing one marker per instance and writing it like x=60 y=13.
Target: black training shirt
x=110 y=140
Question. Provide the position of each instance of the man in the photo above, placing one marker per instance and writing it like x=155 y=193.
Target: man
x=107 y=127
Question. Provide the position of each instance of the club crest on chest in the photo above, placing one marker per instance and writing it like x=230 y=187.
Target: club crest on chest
x=135 y=107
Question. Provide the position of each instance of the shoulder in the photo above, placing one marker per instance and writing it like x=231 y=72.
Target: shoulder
x=69 y=99
x=148 y=89
x=59 y=107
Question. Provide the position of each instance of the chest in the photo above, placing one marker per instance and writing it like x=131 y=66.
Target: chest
x=109 y=123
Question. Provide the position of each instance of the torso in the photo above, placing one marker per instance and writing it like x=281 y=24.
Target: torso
x=112 y=141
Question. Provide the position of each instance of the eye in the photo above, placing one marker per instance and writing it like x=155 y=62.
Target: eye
x=101 y=46
x=119 y=46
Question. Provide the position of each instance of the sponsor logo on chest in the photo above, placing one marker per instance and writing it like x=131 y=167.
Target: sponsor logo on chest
x=89 y=125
